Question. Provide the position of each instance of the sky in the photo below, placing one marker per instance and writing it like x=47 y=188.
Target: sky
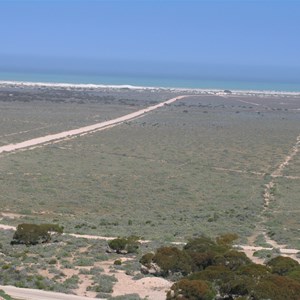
x=254 y=39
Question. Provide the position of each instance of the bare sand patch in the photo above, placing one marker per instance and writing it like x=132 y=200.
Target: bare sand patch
x=154 y=288
x=11 y=215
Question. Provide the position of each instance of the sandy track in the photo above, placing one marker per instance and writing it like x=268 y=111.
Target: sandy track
x=7 y=227
x=152 y=288
x=52 y=138
x=288 y=158
x=239 y=171
x=250 y=250
x=108 y=238
x=269 y=197
x=81 y=236
x=149 y=287
x=237 y=98
x=34 y=294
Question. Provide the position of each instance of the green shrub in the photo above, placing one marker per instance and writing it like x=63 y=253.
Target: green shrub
x=205 y=244
x=129 y=245
x=52 y=261
x=32 y=234
x=294 y=274
x=282 y=265
x=118 y=262
x=277 y=287
x=191 y=290
x=72 y=282
x=5 y=267
x=237 y=285
x=103 y=283
x=254 y=270
x=5 y=296
x=172 y=260
x=232 y=259
x=146 y=259
x=84 y=261
x=118 y=244
x=212 y=274
x=226 y=239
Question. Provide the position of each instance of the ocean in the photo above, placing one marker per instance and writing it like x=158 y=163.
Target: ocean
x=147 y=81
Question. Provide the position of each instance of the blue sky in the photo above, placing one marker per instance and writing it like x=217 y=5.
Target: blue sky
x=256 y=40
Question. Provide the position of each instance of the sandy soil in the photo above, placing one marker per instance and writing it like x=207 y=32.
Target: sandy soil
x=154 y=288
x=250 y=250
x=7 y=227
x=10 y=215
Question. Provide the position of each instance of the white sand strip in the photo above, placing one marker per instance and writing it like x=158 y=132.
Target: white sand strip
x=79 y=131
x=5 y=83
x=7 y=227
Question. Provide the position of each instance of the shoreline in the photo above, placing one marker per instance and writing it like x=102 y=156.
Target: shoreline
x=4 y=83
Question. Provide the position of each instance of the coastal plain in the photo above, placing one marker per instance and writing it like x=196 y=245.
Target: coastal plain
x=197 y=166
x=209 y=163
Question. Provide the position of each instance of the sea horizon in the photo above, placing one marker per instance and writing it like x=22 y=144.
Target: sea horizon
x=149 y=81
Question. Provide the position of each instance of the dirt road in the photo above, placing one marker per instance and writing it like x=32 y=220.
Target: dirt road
x=32 y=294
x=246 y=248
x=52 y=138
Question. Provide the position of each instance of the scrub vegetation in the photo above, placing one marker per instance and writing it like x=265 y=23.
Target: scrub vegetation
x=198 y=167
x=207 y=268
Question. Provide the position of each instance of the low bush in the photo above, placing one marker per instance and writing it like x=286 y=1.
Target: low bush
x=32 y=234
x=192 y=290
x=118 y=262
x=282 y=265
x=172 y=260
x=146 y=259
x=125 y=245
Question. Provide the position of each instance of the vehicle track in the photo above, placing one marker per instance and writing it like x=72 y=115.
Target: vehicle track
x=268 y=197
x=62 y=136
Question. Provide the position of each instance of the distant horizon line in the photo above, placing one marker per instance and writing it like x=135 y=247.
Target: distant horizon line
x=135 y=87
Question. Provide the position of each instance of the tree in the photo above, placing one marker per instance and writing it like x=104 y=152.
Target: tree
x=282 y=265
x=32 y=234
x=125 y=245
x=191 y=290
x=172 y=260
x=232 y=259
x=212 y=267
x=277 y=287
x=203 y=251
x=146 y=259
x=226 y=239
